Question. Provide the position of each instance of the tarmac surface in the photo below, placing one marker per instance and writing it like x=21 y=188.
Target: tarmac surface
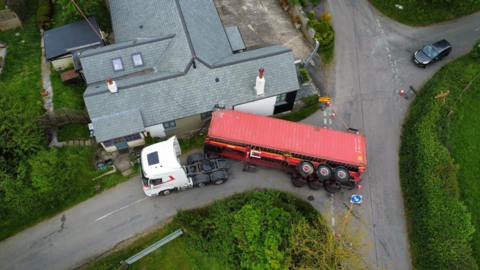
x=372 y=64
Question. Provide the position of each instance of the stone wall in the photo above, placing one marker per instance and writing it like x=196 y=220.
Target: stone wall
x=9 y=20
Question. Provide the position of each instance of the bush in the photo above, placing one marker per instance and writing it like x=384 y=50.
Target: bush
x=310 y=15
x=300 y=114
x=305 y=76
x=310 y=100
x=325 y=17
x=44 y=12
x=475 y=54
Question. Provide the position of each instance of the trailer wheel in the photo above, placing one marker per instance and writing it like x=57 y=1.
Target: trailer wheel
x=219 y=177
x=297 y=183
x=324 y=171
x=165 y=192
x=332 y=186
x=341 y=174
x=315 y=185
x=305 y=168
x=194 y=158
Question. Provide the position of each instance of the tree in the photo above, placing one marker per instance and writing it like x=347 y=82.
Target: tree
x=316 y=246
x=70 y=12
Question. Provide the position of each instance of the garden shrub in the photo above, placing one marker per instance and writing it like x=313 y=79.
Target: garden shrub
x=476 y=50
x=305 y=76
x=326 y=17
x=310 y=15
x=44 y=12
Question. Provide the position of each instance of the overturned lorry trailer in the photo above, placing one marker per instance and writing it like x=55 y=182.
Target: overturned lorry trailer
x=312 y=155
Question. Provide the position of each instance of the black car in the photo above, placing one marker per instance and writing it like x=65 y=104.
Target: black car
x=432 y=53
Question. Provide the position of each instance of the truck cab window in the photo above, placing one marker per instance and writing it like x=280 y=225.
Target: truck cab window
x=155 y=181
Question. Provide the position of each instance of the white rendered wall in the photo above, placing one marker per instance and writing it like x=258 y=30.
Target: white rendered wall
x=156 y=131
x=263 y=107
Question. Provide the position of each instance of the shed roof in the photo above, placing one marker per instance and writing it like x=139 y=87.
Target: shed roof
x=235 y=38
x=118 y=124
x=282 y=135
x=71 y=37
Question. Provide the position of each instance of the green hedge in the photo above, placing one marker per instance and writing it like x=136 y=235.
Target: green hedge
x=440 y=224
x=44 y=13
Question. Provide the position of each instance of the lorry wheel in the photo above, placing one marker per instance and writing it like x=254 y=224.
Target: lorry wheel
x=315 y=185
x=200 y=180
x=332 y=186
x=341 y=174
x=297 y=183
x=324 y=171
x=219 y=177
x=305 y=168
x=165 y=192
x=194 y=158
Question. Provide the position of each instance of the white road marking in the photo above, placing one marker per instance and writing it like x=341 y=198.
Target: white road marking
x=330 y=122
x=477 y=29
x=388 y=50
x=400 y=59
x=325 y=113
x=393 y=71
x=395 y=63
x=382 y=31
x=377 y=20
x=292 y=39
x=396 y=70
x=111 y=213
x=325 y=121
x=379 y=25
x=251 y=27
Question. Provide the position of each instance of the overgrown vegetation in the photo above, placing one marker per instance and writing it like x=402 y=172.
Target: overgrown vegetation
x=423 y=12
x=192 y=143
x=35 y=181
x=305 y=75
x=324 y=33
x=66 y=12
x=18 y=6
x=251 y=230
x=438 y=156
x=44 y=14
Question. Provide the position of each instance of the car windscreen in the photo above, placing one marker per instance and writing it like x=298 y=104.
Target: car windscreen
x=152 y=158
x=430 y=51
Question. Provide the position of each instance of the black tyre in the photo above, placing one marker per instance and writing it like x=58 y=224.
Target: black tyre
x=297 y=182
x=194 y=158
x=165 y=192
x=315 y=185
x=306 y=168
x=323 y=171
x=219 y=177
x=341 y=174
x=332 y=186
x=201 y=180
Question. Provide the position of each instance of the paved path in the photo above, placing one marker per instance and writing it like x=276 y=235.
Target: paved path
x=365 y=96
x=373 y=62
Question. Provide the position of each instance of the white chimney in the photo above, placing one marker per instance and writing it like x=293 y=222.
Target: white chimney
x=112 y=86
x=260 y=85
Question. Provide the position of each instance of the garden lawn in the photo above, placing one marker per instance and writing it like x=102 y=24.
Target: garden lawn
x=439 y=167
x=21 y=74
x=424 y=12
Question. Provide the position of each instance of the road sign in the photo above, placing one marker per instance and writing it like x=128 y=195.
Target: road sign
x=323 y=99
x=356 y=199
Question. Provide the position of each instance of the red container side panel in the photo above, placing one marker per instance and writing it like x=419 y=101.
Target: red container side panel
x=297 y=138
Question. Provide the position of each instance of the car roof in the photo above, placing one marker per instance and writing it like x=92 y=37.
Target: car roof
x=441 y=45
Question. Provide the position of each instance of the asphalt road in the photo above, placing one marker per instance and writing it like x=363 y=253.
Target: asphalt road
x=366 y=81
x=373 y=63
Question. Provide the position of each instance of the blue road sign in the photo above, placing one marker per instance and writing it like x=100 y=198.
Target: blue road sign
x=356 y=199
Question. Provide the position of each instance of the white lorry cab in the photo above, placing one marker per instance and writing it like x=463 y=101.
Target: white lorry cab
x=162 y=173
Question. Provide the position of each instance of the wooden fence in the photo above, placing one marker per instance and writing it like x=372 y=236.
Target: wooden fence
x=51 y=120
x=9 y=20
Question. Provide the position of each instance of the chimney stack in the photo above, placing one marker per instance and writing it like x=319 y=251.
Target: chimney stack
x=260 y=84
x=112 y=85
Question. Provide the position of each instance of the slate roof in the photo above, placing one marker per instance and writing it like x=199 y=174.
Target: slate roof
x=192 y=51
x=197 y=91
x=71 y=37
x=206 y=31
x=153 y=18
x=97 y=63
x=235 y=38
x=117 y=124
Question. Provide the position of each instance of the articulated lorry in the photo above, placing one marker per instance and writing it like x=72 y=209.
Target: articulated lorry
x=313 y=156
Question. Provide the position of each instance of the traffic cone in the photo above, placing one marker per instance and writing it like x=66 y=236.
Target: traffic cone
x=401 y=91
x=359 y=187
x=333 y=116
x=327 y=104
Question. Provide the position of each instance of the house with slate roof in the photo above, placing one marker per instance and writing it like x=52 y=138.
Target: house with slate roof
x=171 y=64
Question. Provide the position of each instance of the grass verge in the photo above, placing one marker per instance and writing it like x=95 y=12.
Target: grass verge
x=192 y=143
x=436 y=155
x=73 y=190
x=328 y=55
x=423 y=12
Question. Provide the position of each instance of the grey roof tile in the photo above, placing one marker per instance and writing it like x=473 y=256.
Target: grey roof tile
x=206 y=31
x=117 y=125
x=235 y=38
